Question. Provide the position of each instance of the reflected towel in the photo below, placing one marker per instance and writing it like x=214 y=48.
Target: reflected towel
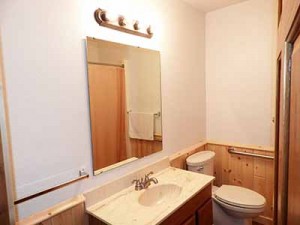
x=141 y=126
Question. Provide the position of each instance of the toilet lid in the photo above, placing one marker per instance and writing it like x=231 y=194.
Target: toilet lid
x=240 y=197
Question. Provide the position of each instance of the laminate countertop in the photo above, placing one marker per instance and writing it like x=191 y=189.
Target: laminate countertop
x=123 y=208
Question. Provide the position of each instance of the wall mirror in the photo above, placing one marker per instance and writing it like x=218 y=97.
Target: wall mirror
x=125 y=103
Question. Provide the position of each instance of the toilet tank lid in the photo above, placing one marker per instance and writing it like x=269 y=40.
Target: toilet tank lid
x=200 y=158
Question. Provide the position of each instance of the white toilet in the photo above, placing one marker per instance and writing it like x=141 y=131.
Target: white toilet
x=232 y=205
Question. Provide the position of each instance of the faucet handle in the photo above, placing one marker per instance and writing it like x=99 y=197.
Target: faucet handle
x=138 y=184
x=135 y=181
x=147 y=175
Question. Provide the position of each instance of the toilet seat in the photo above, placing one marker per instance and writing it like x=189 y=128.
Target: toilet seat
x=246 y=212
x=239 y=197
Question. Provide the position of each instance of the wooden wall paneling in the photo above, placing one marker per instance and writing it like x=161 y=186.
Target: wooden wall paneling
x=226 y=170
x=72 y=216
x=236 y=164
x=245 y=171
x=63 y=218
x=79 y=215
x=141 y=148
x=178 y=159
x=70 y=212
x=270 y=167
x=218 y=169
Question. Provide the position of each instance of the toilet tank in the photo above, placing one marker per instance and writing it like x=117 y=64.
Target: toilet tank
x=201 y=162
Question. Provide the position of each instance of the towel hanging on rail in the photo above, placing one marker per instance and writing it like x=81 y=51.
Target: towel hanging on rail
x=141 y=126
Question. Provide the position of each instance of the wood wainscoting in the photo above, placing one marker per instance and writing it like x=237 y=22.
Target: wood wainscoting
x=178 y=159
x=245 y=171
x=70 y=212
x=142 y=148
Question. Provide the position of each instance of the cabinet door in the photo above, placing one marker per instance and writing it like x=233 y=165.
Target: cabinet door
x=205 y=214
x=190 y=208
x=190 y=221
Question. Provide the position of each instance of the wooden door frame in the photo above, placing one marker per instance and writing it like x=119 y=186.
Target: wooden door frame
x=7 y=207
x=284 y=110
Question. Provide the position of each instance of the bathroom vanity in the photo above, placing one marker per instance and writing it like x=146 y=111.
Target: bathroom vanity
x=180 y=197
x=197 y=210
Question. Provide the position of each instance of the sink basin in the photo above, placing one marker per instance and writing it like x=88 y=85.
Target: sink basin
x=160 y=193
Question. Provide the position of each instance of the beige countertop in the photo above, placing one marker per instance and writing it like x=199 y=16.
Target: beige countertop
x=123 y=208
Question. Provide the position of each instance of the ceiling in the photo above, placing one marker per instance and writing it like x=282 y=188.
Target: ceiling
x=210 y=5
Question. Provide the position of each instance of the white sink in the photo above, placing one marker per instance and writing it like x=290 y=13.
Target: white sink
x=160 y=193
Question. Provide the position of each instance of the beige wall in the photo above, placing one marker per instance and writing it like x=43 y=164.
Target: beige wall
x=239 y=71
x=45 y=68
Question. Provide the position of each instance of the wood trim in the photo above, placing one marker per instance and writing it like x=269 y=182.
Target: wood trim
x=262 y=220
x=276 y=133
x=293 y=194
x=53 y=211
x=157 y=137
x=294 y=31
x=7 y=151
x=254 y=147
x=287 y=33
x=289 y=12
x=283 y=142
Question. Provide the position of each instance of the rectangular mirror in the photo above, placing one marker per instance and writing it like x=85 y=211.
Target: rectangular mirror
x=125 y=103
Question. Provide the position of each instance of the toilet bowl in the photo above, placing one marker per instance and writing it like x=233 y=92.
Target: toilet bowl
x=231 y=204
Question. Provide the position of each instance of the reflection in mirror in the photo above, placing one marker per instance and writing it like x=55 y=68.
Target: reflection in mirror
x=125 y=103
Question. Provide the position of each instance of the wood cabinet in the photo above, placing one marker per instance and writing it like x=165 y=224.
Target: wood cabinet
x=205 y=214
x=190 y=221
x=197 y=211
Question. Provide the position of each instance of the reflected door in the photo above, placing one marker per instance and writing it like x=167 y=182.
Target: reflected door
x=107 y=111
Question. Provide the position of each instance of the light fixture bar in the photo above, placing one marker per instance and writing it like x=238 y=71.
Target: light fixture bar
x=121 y=24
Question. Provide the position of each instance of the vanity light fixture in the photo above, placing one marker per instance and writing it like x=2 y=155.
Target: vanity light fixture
x=136 y=25
x=103 y=18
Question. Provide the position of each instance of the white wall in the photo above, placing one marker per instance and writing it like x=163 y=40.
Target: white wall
x=45 y=68
x=239 y=68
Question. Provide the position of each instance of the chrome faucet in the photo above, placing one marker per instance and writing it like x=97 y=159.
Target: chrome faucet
x=147 y=180
x=144 y=183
